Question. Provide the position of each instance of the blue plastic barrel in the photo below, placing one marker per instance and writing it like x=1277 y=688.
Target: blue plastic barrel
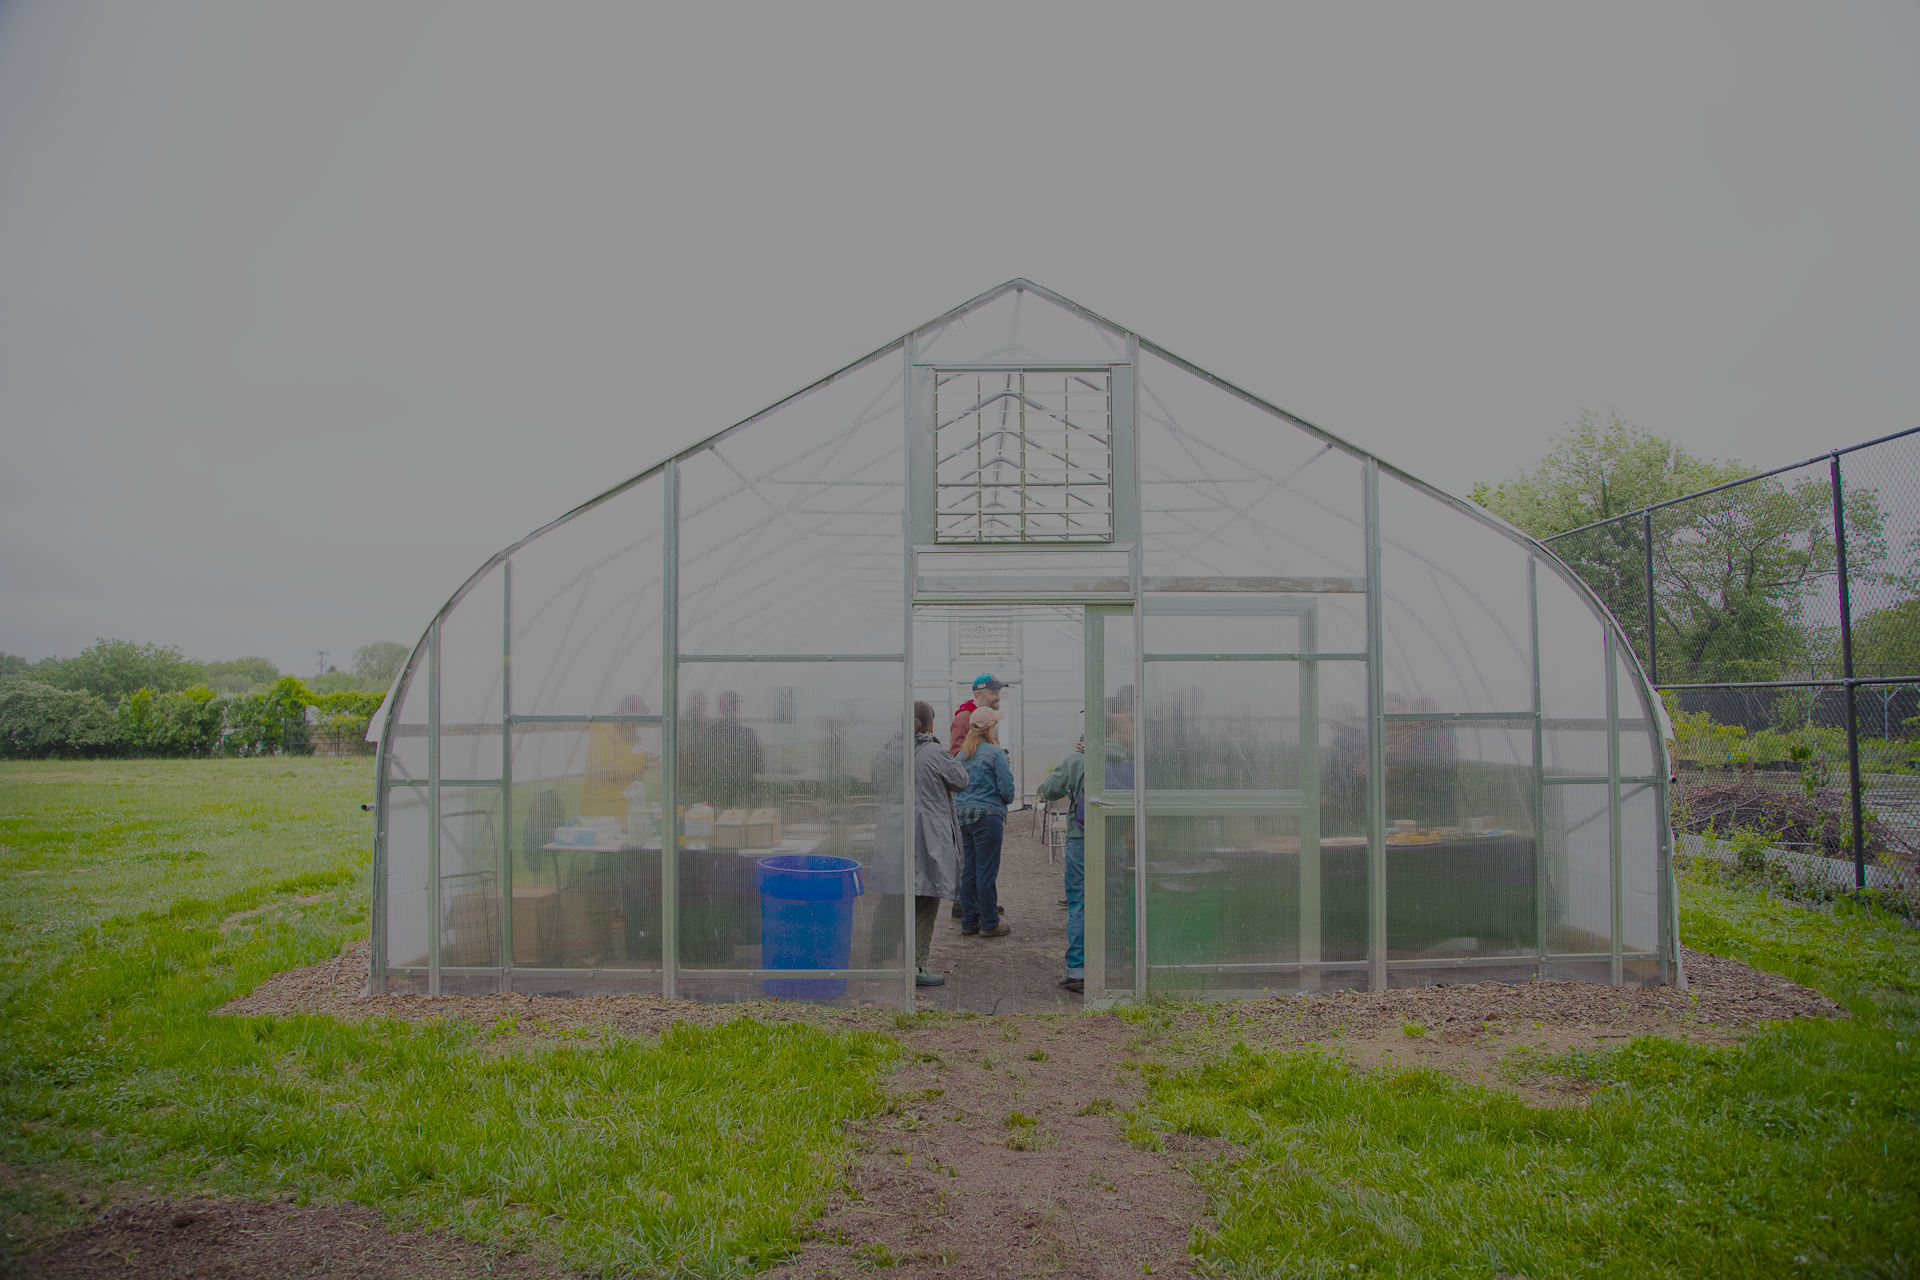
x=806 y=920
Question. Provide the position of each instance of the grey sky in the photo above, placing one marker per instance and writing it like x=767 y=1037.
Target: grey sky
x=307 y=309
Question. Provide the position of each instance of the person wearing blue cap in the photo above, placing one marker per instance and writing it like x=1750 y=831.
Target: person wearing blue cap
x=986 y=693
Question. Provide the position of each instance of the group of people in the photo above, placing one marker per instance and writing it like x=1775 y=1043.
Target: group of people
x=961 y=789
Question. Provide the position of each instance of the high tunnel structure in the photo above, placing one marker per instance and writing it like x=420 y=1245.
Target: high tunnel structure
x=1341 y=729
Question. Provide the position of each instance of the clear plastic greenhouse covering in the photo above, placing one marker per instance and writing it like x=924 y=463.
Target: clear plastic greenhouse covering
x=1341 y=729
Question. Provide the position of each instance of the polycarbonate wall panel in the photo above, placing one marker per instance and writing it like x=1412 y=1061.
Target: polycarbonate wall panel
x=407 y=743
x=593 y=906
x=472 y=842
x=1019 y=327
x=587 y=608
x=471 y=672
x=1230 y=489
x=1640 y=876
x=1579 y=884
x=791 y=534
x=1573 y=679
x=778 y=757
x=1637 y=758
x=1118 y=836
x=1460 y=848
x=1113 y=768
x=1454 y=608
x=406 y=876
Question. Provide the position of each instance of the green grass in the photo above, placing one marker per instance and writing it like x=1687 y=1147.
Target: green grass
x=1794 y=1153
x=703 y=1152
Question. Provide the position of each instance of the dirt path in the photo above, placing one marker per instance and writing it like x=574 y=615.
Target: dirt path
x=1018 y=973
x=1007 y=1155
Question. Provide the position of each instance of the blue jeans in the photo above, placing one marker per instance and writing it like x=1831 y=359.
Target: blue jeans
x=980 y=872
x=1076 y=906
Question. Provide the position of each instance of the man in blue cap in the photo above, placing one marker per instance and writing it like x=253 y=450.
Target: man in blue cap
x=986 y=693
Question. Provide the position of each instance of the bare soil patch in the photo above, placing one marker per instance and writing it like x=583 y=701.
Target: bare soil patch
x=1007 y=1155
x=1469 y=1031
x=176 y=1239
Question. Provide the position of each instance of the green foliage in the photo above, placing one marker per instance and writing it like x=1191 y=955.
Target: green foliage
x=1797 y=1152
x=241 y=675
x=1886 y=642
x=1733 y=570
x=38 y=720
x=260 y=724
x=379 y=661
x=12 y=664
x=187 y=723
x=700 y=1153
x=1701 y=742
x=114 y=669
x=1598 y=470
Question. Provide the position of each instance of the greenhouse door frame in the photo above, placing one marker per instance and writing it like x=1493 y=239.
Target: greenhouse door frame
x=1302 y=803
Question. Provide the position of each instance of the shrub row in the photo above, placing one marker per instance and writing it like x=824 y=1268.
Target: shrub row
x=38 y=721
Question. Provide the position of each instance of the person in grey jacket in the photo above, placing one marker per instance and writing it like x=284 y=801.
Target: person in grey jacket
x=936 y=861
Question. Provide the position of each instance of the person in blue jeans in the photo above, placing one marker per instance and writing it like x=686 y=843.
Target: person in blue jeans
x=1068 y=781
x=982 y=811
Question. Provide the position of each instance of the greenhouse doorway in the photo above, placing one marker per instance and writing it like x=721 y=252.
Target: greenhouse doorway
x=1038 y=651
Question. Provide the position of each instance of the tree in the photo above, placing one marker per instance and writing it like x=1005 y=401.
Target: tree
x=1733 y=571
x=380 y=661
x=38 y=720
x=1600 y=469
x=115 y=669
x=1886 y=642
x=241 y=675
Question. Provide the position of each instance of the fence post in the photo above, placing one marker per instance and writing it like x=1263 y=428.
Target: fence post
x=1653 y=658
x=1846 y=670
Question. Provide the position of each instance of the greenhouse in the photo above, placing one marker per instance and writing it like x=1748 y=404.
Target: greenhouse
x=1341 y=729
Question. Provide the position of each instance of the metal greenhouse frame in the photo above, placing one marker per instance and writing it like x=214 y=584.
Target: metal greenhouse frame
x=1371 y=735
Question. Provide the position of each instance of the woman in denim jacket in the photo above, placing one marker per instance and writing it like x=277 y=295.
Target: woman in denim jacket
x=982 y=811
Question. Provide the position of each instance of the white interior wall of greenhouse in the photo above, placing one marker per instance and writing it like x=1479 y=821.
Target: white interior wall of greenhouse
x=1322 y=674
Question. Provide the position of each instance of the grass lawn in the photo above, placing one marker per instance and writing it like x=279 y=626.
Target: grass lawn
x=1794 y=1153
x=137 y=896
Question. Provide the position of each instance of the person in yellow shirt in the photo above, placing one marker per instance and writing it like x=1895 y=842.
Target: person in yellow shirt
x=614 y=762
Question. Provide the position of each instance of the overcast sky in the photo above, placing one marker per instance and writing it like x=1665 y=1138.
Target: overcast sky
x=307 y=309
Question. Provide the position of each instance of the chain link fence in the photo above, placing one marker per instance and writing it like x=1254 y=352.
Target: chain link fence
x=1779 y=615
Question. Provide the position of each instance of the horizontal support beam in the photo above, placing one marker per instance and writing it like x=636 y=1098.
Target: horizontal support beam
x=584 y=719
x=1256 y=657
x=1593 y=780
x=1021 y=597
x=1287 y=586
x=1024 y=548
x=793 y=657
x=445 y=782
x=1857 y=681
x=987 y=584
x=1206 y=803
x=1526 y=717
x=1530 y=959
x=1024 y=366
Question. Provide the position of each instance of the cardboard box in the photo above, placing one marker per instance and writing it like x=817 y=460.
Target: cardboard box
x=730 y=830
x=536 y=925
x=763 y=829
